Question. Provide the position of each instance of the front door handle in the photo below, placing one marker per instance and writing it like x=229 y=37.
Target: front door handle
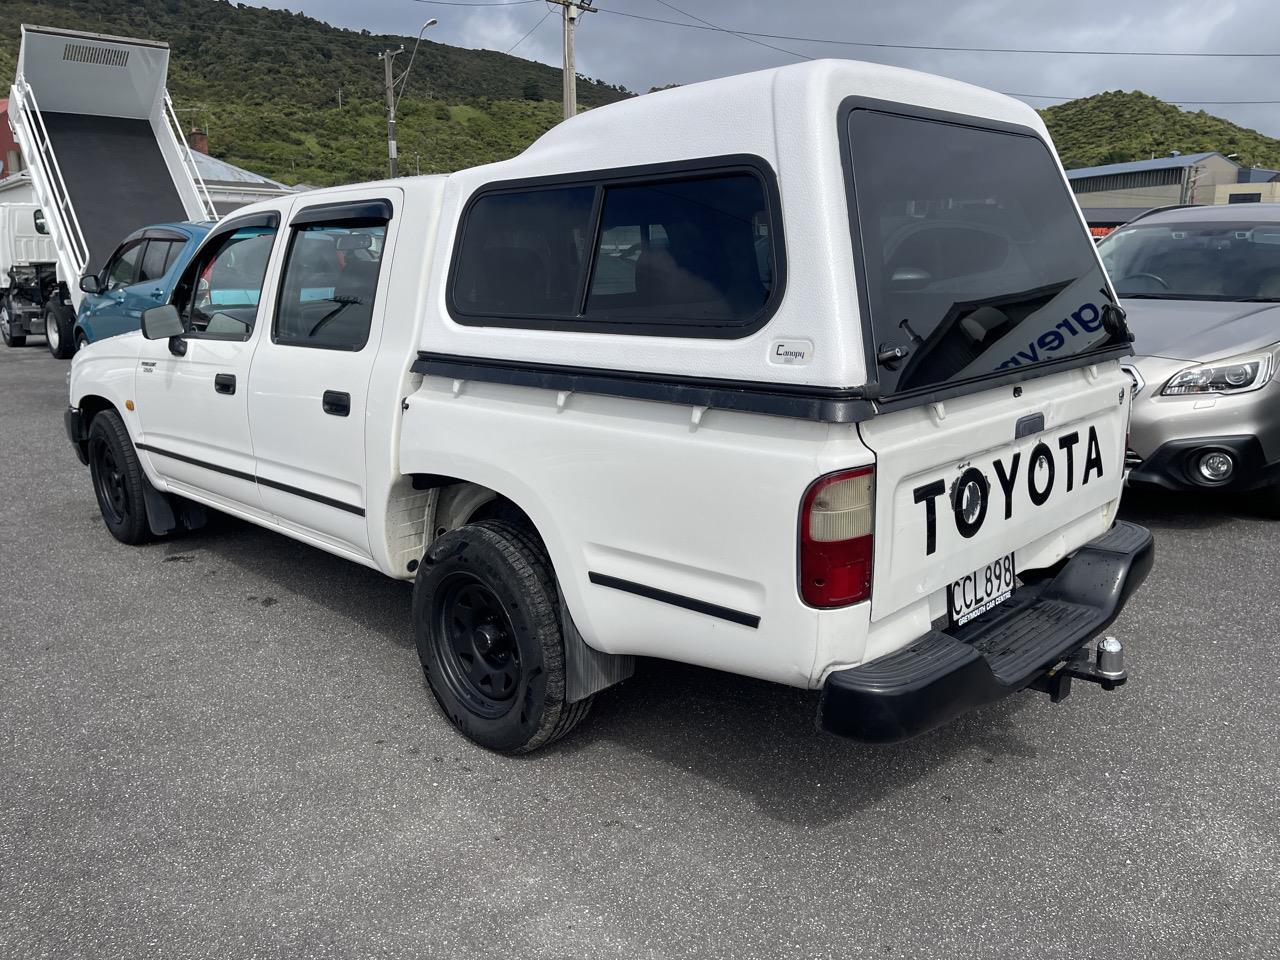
x=336 y=403
x=225 y=383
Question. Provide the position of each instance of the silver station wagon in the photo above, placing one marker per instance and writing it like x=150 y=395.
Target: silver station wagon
x=1201 y=286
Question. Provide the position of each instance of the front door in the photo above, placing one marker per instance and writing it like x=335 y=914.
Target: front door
x=310 y=378
x=192 y=400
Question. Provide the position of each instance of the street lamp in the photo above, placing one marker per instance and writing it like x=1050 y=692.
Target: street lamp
x=393 y=98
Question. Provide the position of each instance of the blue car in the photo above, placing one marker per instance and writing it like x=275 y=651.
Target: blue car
x=139 y=274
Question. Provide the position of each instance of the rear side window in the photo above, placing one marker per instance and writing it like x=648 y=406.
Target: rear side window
x=330 y=279
x=156 y=261
x=686 y=254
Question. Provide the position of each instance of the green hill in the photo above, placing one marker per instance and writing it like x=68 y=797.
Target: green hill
x=266 y=85
x=1117 y=126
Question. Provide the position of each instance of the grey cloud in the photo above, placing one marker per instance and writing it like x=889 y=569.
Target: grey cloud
x=641 y=55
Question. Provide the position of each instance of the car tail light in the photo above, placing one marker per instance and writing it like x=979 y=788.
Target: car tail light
x=836 y=519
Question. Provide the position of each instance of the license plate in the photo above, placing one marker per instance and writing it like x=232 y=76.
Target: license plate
x=981 y=590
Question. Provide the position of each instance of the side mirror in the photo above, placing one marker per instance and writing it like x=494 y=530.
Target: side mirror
x=160 y=323
x=89 y=283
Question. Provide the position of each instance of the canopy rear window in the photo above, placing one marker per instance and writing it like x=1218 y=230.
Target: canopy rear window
x=975 y=260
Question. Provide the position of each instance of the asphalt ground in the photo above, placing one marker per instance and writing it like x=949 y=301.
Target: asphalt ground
x=220 y=745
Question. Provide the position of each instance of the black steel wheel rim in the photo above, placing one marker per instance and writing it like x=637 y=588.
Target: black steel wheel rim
x=109 y=483
x=479 y=655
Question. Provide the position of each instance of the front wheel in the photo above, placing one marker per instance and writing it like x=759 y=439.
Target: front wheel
x=118 y=480
x=58 y=330
x=6 y=320
x=486 y=616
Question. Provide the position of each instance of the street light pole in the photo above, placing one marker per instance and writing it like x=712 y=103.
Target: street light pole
x=393 y=99
x=386 y=57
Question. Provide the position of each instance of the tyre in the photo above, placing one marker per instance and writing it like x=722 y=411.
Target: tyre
x=58 y=330
x=487 y=622
x=6 y=311
x=118 y=480
x=81 y=341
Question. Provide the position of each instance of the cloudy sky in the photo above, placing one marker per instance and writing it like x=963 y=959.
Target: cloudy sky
x=640 y=54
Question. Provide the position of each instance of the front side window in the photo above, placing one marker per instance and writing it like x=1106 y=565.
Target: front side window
x=975 y=259
x=219 y=291
x=674 y=256
x=123 y=269
x=1225 y=260
x=330 y=278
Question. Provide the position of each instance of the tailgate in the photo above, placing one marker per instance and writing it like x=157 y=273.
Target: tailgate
x=1030 y=479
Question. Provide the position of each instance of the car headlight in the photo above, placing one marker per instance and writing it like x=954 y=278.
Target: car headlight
x=1234 y=375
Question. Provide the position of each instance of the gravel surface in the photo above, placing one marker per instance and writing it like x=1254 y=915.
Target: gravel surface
x=220 y=745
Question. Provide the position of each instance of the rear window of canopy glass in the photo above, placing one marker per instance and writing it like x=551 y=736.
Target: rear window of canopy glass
x=976 y=262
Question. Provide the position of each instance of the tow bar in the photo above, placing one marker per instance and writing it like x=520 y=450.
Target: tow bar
x=1105 y=668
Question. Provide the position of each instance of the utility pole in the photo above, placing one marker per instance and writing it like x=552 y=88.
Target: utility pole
x=572 y=9
x=386 y=57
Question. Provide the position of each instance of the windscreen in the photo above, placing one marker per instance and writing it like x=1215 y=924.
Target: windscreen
x=1238 y=260
x=976 y=260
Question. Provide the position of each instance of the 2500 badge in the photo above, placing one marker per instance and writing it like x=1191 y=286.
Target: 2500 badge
x=971 y=493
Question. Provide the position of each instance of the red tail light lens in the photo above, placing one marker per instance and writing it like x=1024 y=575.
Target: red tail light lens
x=836 y=518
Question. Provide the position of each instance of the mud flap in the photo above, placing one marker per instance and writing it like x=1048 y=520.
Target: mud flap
x=586 y=669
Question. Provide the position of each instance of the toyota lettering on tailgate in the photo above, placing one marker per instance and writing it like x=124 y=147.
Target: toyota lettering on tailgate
x=971 y=493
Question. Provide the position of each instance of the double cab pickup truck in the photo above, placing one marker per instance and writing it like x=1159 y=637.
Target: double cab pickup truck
x=810 y=375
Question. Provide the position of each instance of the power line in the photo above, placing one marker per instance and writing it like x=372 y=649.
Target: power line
x=922 y=46
x=529 y=32
x=790 y=53
x=480 y=3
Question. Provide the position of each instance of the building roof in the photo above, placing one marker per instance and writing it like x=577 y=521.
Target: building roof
x=1110 y=216
x=1137 y=166
x=1257 y=175
x=214 y=170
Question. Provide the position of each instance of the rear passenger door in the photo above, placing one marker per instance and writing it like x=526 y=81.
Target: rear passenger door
x=309 y=382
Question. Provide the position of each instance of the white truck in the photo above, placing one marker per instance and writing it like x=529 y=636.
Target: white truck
x=809 y=375
x=27 y=275
x=106 y=156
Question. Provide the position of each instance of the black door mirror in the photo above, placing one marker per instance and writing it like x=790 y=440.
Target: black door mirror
x=89 y=283
x=160 y=323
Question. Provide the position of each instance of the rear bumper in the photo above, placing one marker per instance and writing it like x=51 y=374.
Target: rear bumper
x=944 y=674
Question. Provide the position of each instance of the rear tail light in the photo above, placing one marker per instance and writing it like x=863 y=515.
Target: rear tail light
x=835 y=539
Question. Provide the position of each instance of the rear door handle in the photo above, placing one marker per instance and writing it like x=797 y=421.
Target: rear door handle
x=225 y=383
x=336 y=403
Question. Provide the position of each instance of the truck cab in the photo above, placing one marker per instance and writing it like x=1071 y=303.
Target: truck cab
x=812 y=376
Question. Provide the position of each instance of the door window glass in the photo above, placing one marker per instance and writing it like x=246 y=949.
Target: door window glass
x=219 y=292
x=156 y=260
x=123 y=269
x=330 y=278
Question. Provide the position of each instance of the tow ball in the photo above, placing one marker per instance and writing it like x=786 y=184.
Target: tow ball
x=1105 y=668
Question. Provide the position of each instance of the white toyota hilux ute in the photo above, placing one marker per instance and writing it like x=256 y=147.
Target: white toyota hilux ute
x=809 y=375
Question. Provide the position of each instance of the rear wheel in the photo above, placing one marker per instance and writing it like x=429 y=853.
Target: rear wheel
x=118 y=480
x=6 y=332
x=58 y=330
x=486 y=616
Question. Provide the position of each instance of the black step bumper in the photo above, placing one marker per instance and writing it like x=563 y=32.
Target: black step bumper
x=946 y=673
